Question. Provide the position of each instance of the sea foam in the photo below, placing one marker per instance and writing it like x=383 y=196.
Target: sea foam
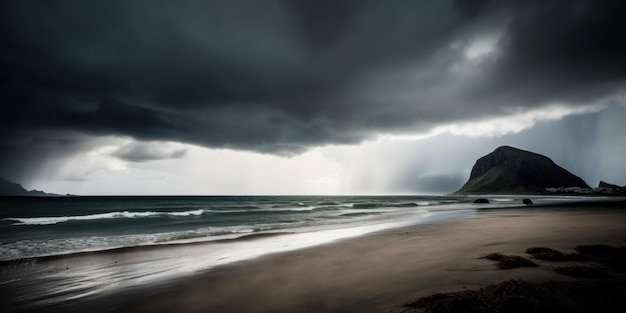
x=125 y=214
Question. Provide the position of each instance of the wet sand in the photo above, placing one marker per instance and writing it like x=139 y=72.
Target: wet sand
x=378 y=272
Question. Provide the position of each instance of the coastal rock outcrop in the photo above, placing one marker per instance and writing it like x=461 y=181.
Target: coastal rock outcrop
x=606 y=188
x=509 y=170
x=607 y=185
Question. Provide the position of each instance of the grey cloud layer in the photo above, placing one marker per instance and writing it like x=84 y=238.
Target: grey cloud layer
x=282 y=76
x=140 y=152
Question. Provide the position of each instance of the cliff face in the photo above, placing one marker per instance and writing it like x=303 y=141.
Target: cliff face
x=508 y=170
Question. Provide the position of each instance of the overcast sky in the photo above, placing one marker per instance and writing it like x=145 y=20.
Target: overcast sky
x=305 y=97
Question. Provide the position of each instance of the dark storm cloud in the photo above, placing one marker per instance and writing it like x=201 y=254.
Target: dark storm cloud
x=282 y=76
x=560 y=50
x=34 y=153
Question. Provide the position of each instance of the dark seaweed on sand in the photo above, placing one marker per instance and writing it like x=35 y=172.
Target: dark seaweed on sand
x=612 y=257
x=547 y=254
x=509 y=261
x=596 y=293
x=520 y=296
x=581 y=271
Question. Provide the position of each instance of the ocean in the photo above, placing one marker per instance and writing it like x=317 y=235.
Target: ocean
x=35 y=227
x=58 y=249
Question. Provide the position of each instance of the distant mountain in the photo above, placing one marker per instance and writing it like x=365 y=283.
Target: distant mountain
x=8 y=188
x=509 y=170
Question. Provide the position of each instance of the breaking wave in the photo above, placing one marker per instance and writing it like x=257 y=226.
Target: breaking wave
x=111 y=215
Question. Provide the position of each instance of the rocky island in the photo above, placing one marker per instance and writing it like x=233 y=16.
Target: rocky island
x=509 y=170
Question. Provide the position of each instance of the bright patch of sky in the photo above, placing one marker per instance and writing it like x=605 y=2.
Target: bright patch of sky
x=481 y=47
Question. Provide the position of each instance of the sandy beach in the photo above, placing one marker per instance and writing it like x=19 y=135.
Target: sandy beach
x=378 y=272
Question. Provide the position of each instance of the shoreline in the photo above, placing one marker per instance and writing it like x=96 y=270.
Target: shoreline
x=606 y=202
x=377 y=271
x=200 y=221
x=380 y=272
x=56 y=281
